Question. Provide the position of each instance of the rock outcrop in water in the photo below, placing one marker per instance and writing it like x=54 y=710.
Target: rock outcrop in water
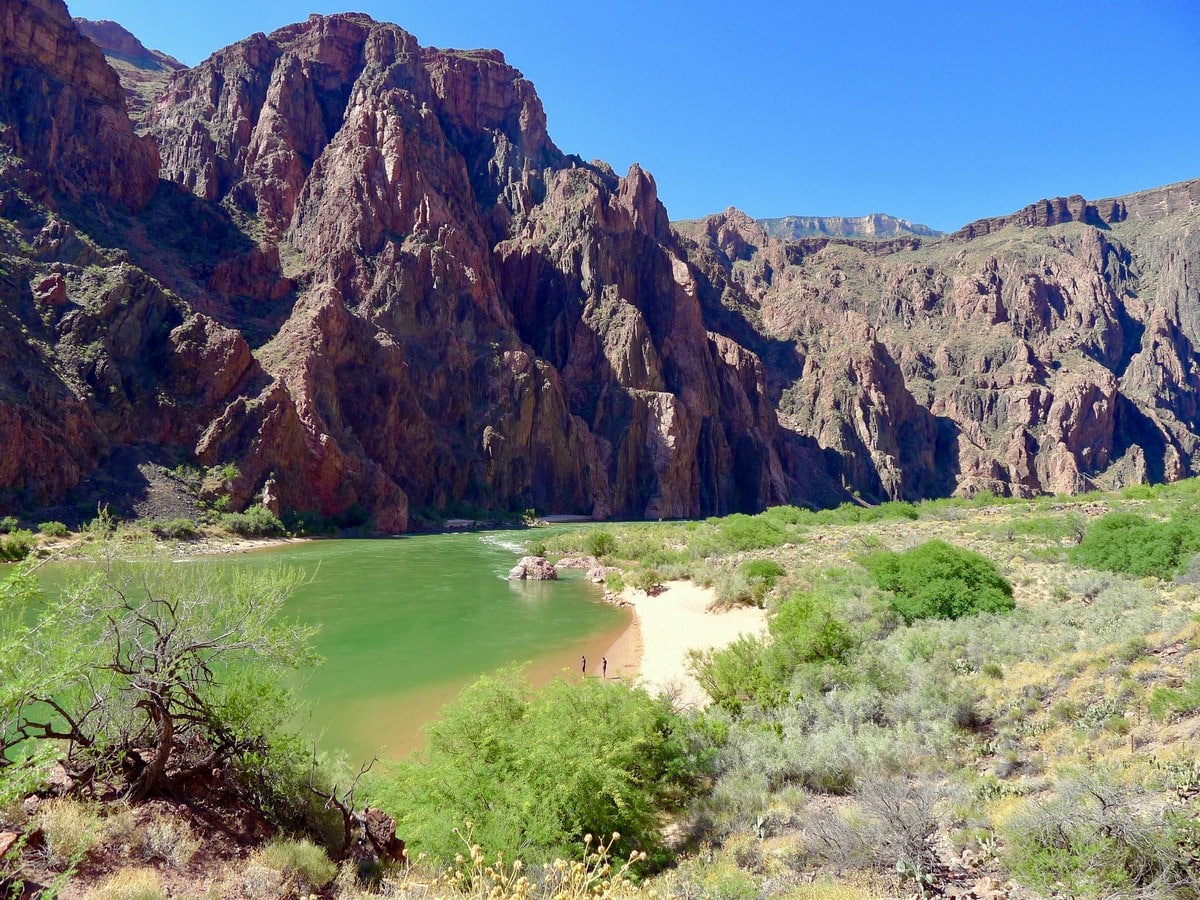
x=364 y=273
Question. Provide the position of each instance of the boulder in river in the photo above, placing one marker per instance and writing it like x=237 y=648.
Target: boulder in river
x=535 y=568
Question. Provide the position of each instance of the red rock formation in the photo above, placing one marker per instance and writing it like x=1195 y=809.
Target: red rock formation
x=437 y=306
x=1051 y=350
x=63 y=111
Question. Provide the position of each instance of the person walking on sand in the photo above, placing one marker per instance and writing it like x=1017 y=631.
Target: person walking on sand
x=604 y=666
x=583 y=664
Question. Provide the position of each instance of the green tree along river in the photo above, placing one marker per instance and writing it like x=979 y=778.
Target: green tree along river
x=406 y=623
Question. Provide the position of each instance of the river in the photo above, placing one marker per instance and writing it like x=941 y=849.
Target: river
x=405 y=623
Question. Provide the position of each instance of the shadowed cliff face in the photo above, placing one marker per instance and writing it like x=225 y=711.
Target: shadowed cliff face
x=368 y=276
x=1051 y=350
x=63 y=109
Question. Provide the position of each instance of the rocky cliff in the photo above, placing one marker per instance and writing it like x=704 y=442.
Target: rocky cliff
x=875 y=226
x=361 y=270
x=392 y=288
x=1053 y=350
x=143 y=72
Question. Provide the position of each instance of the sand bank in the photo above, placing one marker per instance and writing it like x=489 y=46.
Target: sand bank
x=655 y=646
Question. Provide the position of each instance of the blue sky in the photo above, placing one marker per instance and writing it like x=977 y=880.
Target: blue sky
x=940 y=112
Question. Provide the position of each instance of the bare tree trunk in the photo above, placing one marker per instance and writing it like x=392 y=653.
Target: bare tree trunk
x=150 y=778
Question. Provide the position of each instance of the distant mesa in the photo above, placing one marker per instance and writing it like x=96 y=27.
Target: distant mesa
x=873 y=227
x=877 y=226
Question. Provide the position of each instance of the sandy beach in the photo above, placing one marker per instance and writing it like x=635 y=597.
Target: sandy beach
x=655 y=646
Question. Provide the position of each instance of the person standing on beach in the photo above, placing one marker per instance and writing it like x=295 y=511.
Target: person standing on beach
x=583 y=664
x=604 y=666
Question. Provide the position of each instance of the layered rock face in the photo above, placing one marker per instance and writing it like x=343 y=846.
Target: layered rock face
x=143 y=72
x=62 y=109
x=444 y=308
x=875 y=226
x=369 y=278
x=1053 y=350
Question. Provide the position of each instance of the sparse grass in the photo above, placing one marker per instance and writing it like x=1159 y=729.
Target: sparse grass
x=168 y=839
x=70 y=828
x=298 y=862
x=129 y=884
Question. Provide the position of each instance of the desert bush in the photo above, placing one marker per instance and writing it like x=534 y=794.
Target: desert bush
x=16 y=545
x=53 y=529
x=535 y=771
x=600 y=543
x=764 y=570
x=806 y=629
x=138 y=645
x=174 y=529
x=614 y=582
x=1097 y=837
x=257 y=521
x=299 y=862
x=9 y=524
x=168 y=839
x=647 y=580
x=734 y=803
x=739 y=675
x=940 y=581
x=731 y=587
x=889 y=828
x=1134 y=545
x=761 y=575
x=129 y=884
x=739 y=532
x=855 y=513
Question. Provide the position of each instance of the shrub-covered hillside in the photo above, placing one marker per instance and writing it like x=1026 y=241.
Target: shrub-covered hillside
x=985 y=698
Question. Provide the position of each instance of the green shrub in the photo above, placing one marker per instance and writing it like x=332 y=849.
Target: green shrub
x=1101 y=839
x=805 y=630
x=257 y=521
x=1165 y=702
x=600 y=543
x=53 y=529
x=645 y=580
x=614 y=582
x=738 y=533
x=763 y=571
x=536 y=771
x=302 y=861
x=939 y=581
x=174 y=529
x=1134 y=545
x=9 y=524
x=16 y=545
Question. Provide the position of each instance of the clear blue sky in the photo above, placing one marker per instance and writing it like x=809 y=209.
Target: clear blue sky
x=940 y=112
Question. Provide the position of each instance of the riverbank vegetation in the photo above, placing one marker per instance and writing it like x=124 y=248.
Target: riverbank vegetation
x=984 y=698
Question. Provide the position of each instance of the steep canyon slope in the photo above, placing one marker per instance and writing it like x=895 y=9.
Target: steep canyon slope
x=370 y=279
x=1053 y=350
x=361 y=270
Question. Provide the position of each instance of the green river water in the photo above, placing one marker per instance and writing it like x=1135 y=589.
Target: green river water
x=405 y=623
